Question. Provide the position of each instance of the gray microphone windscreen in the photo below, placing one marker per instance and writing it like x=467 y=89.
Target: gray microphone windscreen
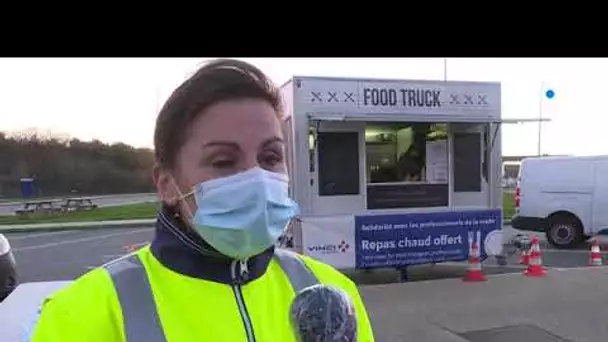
x=323 y=313
x=8 y=269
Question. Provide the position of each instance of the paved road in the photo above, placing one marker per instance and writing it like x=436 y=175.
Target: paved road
x=68 y=254
x=565 y=306
x=101 y=201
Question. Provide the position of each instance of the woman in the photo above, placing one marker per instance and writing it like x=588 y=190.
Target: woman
x=212 y=272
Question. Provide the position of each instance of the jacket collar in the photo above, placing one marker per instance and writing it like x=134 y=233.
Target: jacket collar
x=182 y=250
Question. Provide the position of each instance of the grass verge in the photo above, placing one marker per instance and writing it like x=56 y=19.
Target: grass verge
x=123 y=212
x=145 y=211
x=508 y=205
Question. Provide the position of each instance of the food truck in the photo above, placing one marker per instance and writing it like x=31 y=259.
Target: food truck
x=392 y=173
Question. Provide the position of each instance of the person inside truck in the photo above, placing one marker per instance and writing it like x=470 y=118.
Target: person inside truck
x=409 y=167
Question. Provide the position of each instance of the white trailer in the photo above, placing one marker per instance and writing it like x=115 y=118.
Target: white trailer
x=391 y=173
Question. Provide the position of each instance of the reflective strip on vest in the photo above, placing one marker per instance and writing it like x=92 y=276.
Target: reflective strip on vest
x=139 y=314
x=298 y=273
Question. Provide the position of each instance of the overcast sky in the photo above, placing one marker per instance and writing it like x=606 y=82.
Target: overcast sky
x=118 y=99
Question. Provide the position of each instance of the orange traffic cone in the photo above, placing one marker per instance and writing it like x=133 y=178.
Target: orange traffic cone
x=474 y=273
x=596 y=255
x=130 y=248
x=535 y=265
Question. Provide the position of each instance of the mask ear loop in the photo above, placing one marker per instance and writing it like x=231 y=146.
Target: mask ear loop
x=182 y=196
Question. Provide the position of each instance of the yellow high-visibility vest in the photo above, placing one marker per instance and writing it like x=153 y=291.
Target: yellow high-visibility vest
x=138 y=299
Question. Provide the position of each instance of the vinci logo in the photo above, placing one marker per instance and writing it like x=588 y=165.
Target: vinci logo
x=342 y=247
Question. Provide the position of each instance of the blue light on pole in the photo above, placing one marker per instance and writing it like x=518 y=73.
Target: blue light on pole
x=550 y=94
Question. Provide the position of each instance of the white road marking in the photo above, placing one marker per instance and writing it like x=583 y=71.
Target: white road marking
x=106 y=259
x=464 y=264
x=99 y=237
x=575 y=251
x=33 y=236
x=518 y=267
x=112 y=256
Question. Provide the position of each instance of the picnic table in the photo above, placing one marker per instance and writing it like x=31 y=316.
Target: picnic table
x=78 y=204
x=46 y=206
x=66 y=205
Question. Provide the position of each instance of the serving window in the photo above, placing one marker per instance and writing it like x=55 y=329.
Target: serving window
x=406 y=165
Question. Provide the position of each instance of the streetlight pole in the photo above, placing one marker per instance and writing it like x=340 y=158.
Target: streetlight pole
x=549 y=94
x=540 y=115
x=445 y=69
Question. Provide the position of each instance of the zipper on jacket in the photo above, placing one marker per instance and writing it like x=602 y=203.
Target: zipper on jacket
x=240 y=274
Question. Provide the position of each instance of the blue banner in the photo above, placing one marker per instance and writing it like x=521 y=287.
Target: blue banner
x=422 y=238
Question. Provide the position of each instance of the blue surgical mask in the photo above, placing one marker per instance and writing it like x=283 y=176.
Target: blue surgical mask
x=243 y=214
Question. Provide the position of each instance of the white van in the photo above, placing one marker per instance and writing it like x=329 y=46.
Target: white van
x=565 y=197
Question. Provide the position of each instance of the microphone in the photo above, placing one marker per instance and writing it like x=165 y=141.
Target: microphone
x=323 y=313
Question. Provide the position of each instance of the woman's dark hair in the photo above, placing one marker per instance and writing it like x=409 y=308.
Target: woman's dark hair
x=216 y=81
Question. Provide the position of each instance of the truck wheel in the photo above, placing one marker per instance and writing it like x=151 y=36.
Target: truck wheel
x=564 y=231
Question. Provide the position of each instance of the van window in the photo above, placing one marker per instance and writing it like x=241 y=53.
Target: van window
x=338 y=158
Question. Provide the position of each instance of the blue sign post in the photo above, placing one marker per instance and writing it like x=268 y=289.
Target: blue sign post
x=411 y=239
x=27 y=187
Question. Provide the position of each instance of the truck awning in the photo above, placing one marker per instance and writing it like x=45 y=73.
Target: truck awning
x=373 y=117
x=514 y=121
x=520 y=121
x=382 y=117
